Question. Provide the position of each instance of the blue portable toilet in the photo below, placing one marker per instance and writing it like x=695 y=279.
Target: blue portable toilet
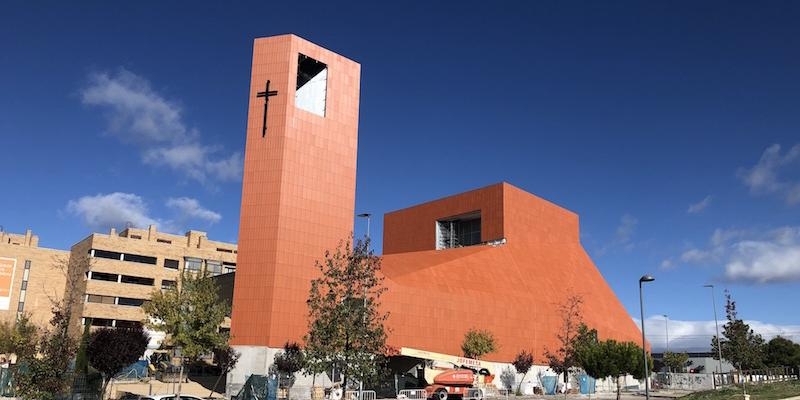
x=549 y=383
x=587 y=384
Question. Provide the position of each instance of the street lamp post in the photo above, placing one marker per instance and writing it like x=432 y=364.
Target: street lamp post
x=643 y=279
x=716 y=325
x=368 y=216
x=666 y=341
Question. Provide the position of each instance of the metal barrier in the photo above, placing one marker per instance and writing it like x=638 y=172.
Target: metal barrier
x=413 y=394
x=364 y=395
x=473 y=394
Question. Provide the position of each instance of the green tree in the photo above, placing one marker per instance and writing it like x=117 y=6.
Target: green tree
x=676 y=362
x=19 y=339
x=741 y=345
x=190 y=313
x=782 y=352
x=563 y=359
x=226 y=358
x=288 y=362
x=523 y=362
x=611 y=359
x=109 y=350
x=346 y=330
x=477 y=343
x=47 y=374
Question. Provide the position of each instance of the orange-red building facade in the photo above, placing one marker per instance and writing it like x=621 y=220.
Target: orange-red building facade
x=298 y=200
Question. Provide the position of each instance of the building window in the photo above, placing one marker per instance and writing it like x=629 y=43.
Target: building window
x=96 y=298
x=127 y=301
x=102 y=276
x=111 y=255
x=128 y=324
x=164 y=241
x=102 y=322
x=213 y=268
x=139 y=259
x=460 y=231
x=137 y=280
x=193 y=264
x=312 y=85
x=228 y=267
x=172 y=264
x=168 y=284
x=135 y=236
x=220 y=249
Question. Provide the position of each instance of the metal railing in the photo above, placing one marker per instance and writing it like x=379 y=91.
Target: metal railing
x=413 y=394
x=756 y=376
x=359 y=395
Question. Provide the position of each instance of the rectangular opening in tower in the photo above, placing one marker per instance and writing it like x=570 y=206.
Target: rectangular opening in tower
x=312 y=85
x=458 y=231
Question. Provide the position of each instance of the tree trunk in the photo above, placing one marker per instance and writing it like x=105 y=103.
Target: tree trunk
x=214 y=388
x=103 y=387
x=618 y=389
x=519 y=387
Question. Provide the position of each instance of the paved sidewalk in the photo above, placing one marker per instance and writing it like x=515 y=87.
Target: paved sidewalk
x=158 y=387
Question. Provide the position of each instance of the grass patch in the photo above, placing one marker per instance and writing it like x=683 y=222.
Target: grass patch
x=763 y=391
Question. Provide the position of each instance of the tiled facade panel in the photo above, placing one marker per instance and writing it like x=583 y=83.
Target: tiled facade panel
x=298 y=193
x=513 y=290
x=413 y=229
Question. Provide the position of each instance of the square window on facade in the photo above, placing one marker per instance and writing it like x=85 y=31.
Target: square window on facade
x=459 y=231
x=312 y=85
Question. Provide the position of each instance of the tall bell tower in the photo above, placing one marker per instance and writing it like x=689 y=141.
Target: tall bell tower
x=298 y=192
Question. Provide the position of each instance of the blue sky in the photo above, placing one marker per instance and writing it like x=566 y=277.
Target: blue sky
x=671 y=128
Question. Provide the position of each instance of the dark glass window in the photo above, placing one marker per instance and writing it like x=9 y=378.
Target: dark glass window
x=96 y=298
x=164 y=241
x=127 y=324
x=459 y=231
x=127 y=301
x=102 y=276
x=137 y=280
x=139 y=259
x=102 y=322
x=112 y=255
x=167 y=284
x=173 y=264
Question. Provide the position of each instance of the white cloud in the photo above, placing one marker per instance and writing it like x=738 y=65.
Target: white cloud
x=667 y=264
x=626 y=228
x=140 y=115
x=623 y=235
x=752 y=257
x=119 y=210
x=113 y=210
x=765 y=176
x=191 y=208
x=696 y=335
x=699 y=206
x=773 y=259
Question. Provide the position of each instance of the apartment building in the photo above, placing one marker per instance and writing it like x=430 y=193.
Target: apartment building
x=117 y=272
x=124 y=269
x=31 y=277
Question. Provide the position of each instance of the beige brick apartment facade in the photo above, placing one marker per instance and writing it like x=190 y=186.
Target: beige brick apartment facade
x=123 y=271
x=31 y=277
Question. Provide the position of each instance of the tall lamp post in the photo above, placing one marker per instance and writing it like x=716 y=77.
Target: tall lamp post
x=368 y=216
x=666 y=341
x=643 y=279
x=716 y=325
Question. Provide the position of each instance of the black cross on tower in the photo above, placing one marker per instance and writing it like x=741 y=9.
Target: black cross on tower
x=266 y=94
